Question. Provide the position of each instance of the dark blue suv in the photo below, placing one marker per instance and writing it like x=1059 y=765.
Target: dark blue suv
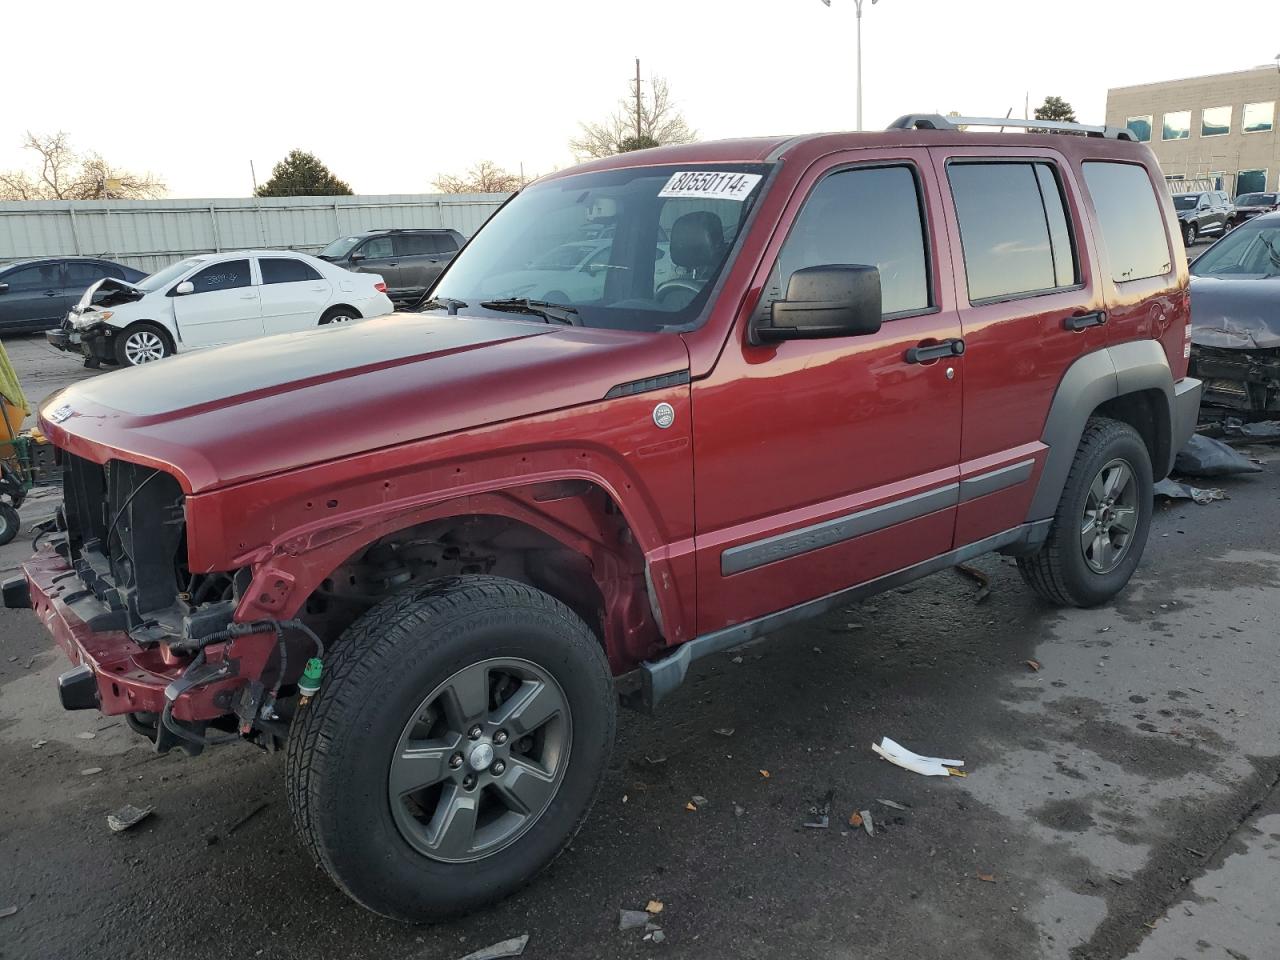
x=36 y=294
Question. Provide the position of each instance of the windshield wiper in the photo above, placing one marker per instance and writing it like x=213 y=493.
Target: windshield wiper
x=548 y=311
x=440 y=303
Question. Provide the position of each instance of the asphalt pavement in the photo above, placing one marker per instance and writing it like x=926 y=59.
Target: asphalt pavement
x=1121 y=798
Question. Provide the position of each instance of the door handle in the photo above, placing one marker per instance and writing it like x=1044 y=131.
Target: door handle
x=953 y=347
x=247 y=296
x=51 y=293
x=1082 y=321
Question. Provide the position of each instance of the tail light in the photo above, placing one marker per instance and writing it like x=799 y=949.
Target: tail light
x=380 y=287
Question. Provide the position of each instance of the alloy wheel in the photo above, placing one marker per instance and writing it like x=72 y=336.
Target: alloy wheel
x=143 y=346
x=480 y=760
x=1110 y=517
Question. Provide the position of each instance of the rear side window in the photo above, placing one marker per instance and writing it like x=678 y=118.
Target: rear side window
x=865 y=216
x=1013 y=229
x=222 y=276
x=445 y=243
x=414 y=245
x=285 y=270
x=1129 y=216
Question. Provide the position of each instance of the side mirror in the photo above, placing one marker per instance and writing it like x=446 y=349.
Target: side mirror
x=356 y=257
x=184 y=288
x=4 y=288
x=833 y=300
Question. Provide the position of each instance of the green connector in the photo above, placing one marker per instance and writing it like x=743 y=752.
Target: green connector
x=309 y=685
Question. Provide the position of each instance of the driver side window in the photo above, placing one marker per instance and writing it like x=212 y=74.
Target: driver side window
x=862 y=216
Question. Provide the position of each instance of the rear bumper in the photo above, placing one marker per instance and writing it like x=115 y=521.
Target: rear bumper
x=1186 y=412
x=129 y=677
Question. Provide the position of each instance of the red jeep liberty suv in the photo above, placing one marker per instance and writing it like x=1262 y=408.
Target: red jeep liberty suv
x=429 y=552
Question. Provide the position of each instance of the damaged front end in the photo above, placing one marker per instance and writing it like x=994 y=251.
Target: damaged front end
x=150 y=638
x=1237 y=383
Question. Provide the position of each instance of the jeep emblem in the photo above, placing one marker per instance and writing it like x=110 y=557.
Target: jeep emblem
x=664 y=415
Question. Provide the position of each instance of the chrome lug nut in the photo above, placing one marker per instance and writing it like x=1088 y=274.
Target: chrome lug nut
x=500 y=737
x=469 y=781
x=474 y=732
x=455 y=761
x=498 y=767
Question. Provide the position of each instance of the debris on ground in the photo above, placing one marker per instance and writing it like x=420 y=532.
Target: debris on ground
x=657 y=936
x=820 y=818
x=90 y=771
x=699 y=800
x=7 y=911
x=892 y=804
x=38 y=744
x=86 y=735
x=1206 y=457
x=691 y=807
x=654 y=761
x=507 y=948
x=736 y=660
x=724 y=731
x=1185 y=491
x=632 y=919
x=897 y=754
x=765 y=774
x=127 y=816
x=653 y=907
x=987 y=877
x=248 y=816
x=855 y=819
x=1258 y=432
x=1034 y=665
x=738 y=810
x=978 y=577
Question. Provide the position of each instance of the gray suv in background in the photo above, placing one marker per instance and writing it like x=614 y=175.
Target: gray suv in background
x=1208 y=213
x=409 y=259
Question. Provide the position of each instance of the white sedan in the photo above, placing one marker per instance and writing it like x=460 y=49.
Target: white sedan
x=215 y=299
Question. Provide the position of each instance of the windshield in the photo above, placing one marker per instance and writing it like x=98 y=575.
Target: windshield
x=1256 y=199
x=1249 y=252
x=1186 y=202
x=338 y=248
x=632 y=249
x=167 y=275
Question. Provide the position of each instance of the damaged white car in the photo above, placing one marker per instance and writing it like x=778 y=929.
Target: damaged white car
x=211 y=300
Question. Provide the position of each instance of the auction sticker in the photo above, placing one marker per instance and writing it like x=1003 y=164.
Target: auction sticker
x=710 y=185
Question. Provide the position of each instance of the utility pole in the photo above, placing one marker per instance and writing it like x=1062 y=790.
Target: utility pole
x=639 y=105
x=857 y=4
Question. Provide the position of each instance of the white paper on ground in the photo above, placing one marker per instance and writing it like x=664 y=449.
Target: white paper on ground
x=896 y=753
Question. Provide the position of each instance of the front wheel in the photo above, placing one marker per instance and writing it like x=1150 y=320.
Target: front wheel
x=1101 y=524
x=1189 y=234
x=456 y=745
x=10 y=523
x=142 y=343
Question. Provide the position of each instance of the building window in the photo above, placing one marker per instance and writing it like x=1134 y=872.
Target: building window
x=1251 y=181
x=1215 y=121
x=1141 y=127
x=1258 y=117
x=1177 y=126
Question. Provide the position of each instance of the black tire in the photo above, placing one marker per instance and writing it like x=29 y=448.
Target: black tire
x=142 y=342
x=10 y=523
x=1060 y=570
x=92 y=363
x=1190 y=234
x=339 y=314
x=342 y=742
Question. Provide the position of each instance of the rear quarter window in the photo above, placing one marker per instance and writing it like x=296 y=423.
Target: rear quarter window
x=1133 y=234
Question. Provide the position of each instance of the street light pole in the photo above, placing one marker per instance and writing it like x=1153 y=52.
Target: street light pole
x=857 y=4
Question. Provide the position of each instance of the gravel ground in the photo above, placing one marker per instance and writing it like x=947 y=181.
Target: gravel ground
x=1121 y=799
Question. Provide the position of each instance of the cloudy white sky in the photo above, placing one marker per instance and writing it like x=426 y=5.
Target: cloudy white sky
x=390 y=94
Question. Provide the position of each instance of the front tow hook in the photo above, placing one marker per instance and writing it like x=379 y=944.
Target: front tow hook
x=78 y=689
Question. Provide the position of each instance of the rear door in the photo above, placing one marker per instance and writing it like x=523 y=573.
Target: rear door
x=380 y=257
x=80 y=275
x=419 y=261
x=36 y=296
x=1029 y=307
x=293 y=294
x=826 y=463
x=224 y=307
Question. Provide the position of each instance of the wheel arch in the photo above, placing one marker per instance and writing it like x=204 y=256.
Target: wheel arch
x=1130 y=382
x=335 y=307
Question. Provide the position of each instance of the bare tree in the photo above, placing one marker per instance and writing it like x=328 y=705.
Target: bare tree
x=64 y=174
x=485 y=177
x=639 y=122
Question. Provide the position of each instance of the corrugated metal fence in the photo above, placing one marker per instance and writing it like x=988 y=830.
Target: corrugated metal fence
x=148 y=234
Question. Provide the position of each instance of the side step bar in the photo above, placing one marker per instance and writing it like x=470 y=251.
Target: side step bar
x=659 y=678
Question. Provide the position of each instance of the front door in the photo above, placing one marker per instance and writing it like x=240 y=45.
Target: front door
x=824 y=463
x=293 y=294
x=380 y=257
x=223 y=308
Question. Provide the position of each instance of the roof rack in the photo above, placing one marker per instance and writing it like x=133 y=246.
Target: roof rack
x=935 y=121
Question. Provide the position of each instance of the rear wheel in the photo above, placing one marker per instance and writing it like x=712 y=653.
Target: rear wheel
x=339 y=315
x=455 y=748
x=142 y=343
x=1101 y=524
x=10 y=523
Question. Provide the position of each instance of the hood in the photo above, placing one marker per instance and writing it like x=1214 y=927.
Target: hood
x=279 y=403
x=1240 y=314
x=108 y=292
